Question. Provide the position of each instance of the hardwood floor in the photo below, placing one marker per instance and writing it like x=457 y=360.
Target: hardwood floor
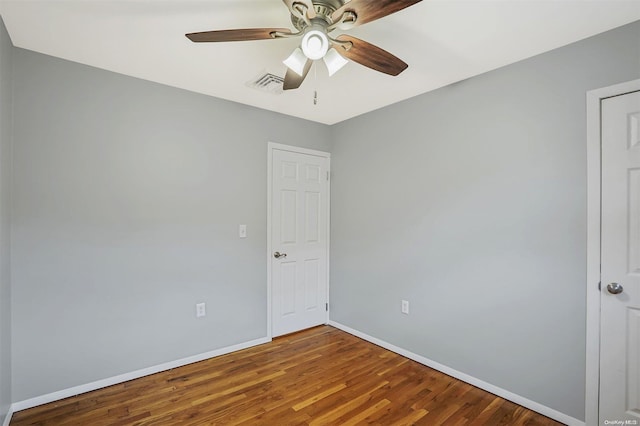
x=320 y=376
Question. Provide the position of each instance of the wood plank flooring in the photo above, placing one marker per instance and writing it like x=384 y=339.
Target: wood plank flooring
x=320 y=376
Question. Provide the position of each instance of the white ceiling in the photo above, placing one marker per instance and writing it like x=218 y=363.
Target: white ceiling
x=443 y=41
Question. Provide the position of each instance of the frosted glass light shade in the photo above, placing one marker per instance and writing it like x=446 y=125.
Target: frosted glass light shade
x=315 y=44
x=334 y=61
x=296 y=61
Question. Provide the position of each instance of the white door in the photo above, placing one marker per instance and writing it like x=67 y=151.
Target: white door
x=299 y=239
x=620 y=273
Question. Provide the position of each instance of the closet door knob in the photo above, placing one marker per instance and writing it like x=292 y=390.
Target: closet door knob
x=278 y=255
x=615 y=288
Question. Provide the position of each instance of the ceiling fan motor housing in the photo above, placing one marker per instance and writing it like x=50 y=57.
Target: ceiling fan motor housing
x=323 y=9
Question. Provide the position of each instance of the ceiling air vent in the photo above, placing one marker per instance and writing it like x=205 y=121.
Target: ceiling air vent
x=267 y=82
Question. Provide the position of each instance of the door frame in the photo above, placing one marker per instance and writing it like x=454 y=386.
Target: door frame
x=594 y=191
x=272 y=146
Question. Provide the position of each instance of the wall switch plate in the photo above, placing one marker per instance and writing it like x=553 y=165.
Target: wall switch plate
x=405 y=307
x=242 y=231
x=201 y=310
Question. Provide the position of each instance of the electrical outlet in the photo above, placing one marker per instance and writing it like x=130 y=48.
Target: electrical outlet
x=201 y=310
x=405 y=307
x=242 y=231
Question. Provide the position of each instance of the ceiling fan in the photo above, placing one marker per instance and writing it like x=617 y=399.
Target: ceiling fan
x=314 y=20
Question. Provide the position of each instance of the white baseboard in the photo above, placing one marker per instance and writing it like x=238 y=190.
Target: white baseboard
x=7 y=418
x=532 y=405
x=77 y=390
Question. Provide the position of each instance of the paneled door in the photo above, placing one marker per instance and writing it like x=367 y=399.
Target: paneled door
x=299 y=238
x=620 y=261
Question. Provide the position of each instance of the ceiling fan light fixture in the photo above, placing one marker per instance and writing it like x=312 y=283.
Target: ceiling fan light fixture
x=315 y=44
x=296 y=61
x=334 y=61
x=314 y=20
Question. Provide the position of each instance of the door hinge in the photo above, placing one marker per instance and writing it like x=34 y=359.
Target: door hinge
x=600 y=286
x=328 y=175
x=326 y=307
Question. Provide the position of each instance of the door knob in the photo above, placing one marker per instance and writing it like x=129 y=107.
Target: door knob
x=278 y=255
x=614 y=288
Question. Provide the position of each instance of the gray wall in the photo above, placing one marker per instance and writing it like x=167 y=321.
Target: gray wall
x=5 y=211
x=127 y=200
x=470 y=203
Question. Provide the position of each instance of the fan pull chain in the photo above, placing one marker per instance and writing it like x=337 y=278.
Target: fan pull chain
x=315 y=83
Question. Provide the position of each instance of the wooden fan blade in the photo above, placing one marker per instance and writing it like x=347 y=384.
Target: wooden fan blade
x=245 y=34
x=308 y=4
x=370 y=10
x=369 y=55
x=292 y=80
